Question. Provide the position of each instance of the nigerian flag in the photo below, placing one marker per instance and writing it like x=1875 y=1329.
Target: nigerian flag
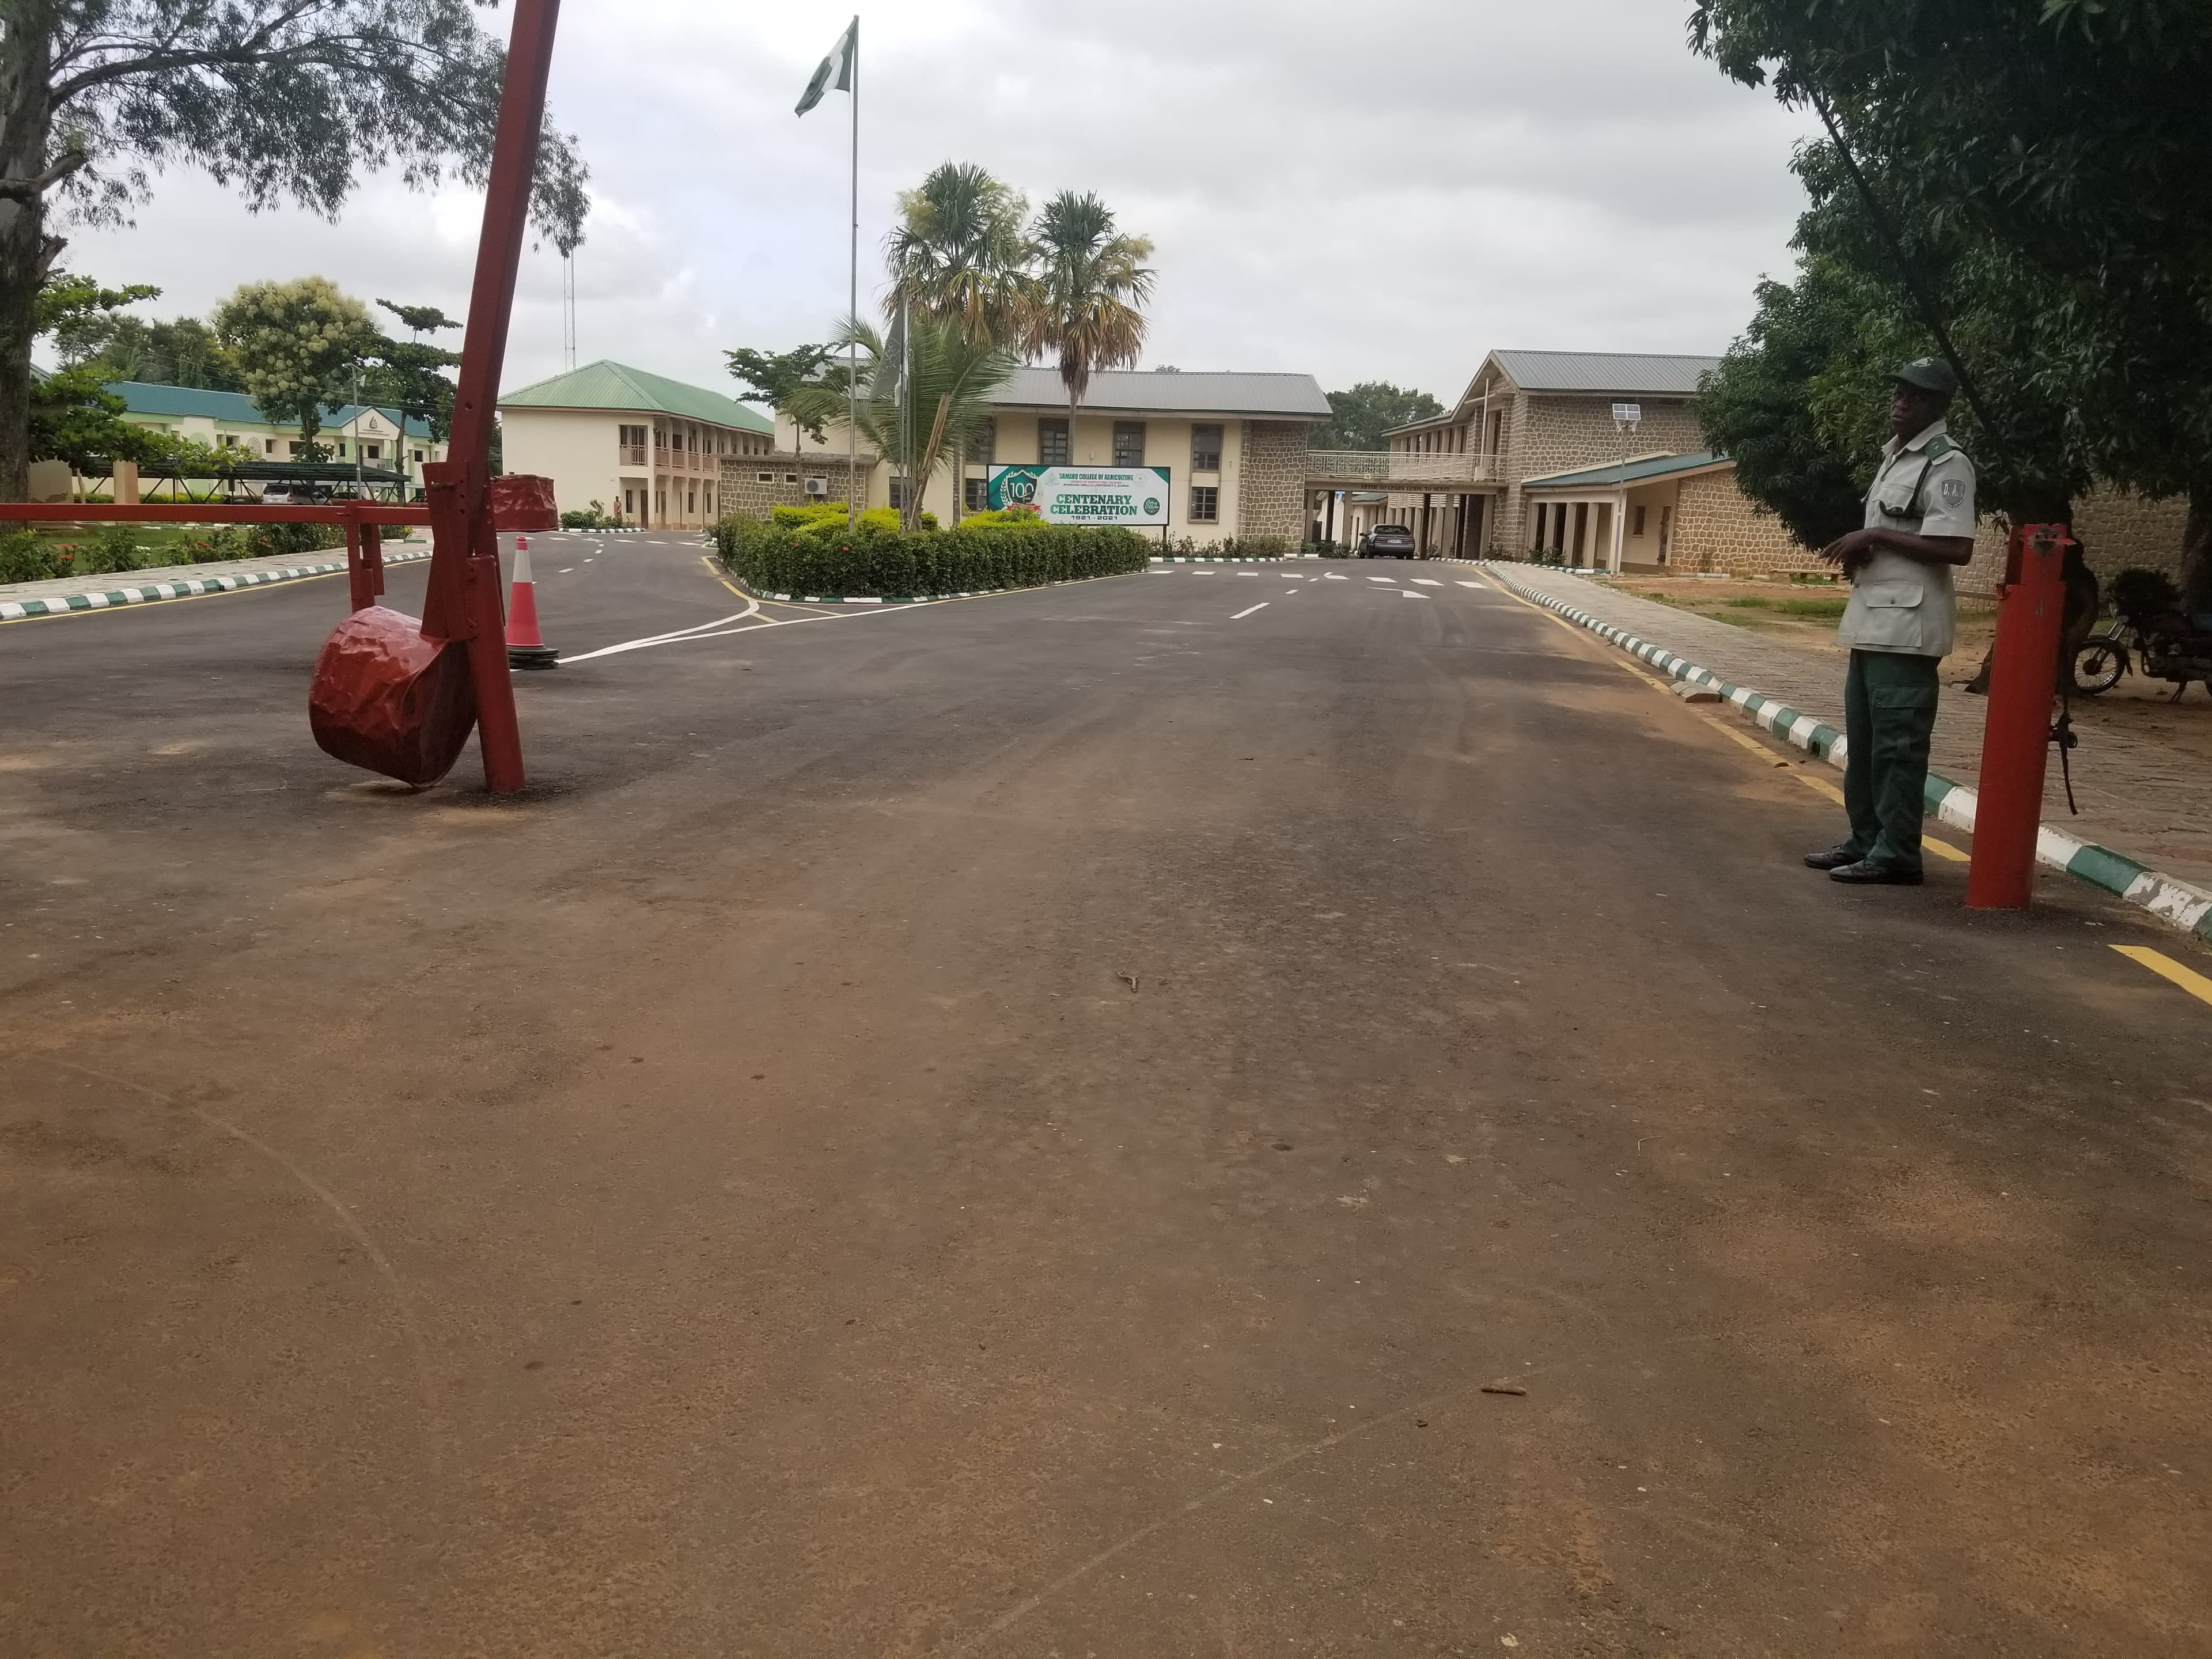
x=835 y=71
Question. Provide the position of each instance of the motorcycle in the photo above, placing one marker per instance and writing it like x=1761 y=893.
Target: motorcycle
x=2149 y=627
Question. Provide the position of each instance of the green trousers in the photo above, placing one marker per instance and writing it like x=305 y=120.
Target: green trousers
x=1889 y=714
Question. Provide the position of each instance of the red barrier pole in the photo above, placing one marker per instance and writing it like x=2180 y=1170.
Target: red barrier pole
x=463 y=601
x=2016 y=733
x=356 y=571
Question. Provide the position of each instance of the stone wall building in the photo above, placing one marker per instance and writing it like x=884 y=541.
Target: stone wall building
x=1234 y=445
x=1459 y=480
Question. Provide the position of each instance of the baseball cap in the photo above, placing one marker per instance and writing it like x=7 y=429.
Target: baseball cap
x=1929 y=375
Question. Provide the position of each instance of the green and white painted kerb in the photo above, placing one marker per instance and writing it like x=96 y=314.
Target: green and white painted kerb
x=150 y=592
x=2166 y=897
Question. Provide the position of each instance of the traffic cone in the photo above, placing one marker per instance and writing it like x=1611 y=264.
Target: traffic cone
x=526 y=645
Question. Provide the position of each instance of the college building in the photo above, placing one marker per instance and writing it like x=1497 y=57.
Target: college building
x=232 y=421
x=642 y=446
x=1593 y=456
x=1233 y=445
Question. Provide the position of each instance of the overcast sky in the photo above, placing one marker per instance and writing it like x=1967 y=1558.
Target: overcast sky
x=1377 y=190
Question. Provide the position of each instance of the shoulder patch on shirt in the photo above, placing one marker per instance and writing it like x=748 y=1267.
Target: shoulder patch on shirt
x=1955 y=492
x=1939 y=446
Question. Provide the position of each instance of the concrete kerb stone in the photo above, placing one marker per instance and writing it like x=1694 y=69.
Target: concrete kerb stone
x=152 y=592
x=2167 y=898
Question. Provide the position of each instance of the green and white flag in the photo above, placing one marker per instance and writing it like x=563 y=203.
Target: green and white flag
x=835 y=71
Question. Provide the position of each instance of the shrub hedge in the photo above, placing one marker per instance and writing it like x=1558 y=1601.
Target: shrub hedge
x=878 y=561
x=114 y=548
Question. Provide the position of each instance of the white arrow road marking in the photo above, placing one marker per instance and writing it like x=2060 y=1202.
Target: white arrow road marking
x=1408 y=593
x=1241 y=614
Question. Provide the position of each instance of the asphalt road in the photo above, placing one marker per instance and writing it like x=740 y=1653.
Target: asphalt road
x=1029 y=1126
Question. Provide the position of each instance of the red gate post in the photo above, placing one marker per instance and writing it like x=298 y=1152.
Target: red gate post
x=362 y=576
x=2016 y=732
x=464 y=602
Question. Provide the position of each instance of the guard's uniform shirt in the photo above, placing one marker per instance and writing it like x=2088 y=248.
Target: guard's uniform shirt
x=1926 y=488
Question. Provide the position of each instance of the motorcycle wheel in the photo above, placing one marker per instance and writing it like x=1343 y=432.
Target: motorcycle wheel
x=2097 y=667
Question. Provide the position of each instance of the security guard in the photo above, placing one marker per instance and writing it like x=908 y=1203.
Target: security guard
x=1919 y=527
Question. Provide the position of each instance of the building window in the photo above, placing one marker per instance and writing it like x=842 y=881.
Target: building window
x=418 y=455
x=1206 y=446
x=629 y=503
x=660 y=503
x=790 y=477
x=1636 y=522
x=764 y=478
x=974 y=495
x=1129 y=443
x=373 y=452
x=1052 y=443
x=1204 y=503
x=691 y=503
x=632 y=440
x=983 y=447
x=901 y=493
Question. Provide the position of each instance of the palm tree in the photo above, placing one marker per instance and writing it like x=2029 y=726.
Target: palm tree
x=949 y=379
x=1091 y=286
x=959 y=255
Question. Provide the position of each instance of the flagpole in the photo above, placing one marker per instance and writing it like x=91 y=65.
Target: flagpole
x=852 y=311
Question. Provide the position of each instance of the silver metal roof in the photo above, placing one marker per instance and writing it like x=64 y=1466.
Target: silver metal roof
x=1605 y=371
x=1294 y=396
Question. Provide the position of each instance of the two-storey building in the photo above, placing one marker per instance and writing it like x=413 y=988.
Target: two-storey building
x=642 y=446
x=1233 y=445
x=232 y=421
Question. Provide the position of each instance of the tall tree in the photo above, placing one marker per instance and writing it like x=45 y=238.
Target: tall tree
x=959 y=254
x=410 y=375
x=181 y=351
x=771 y=377
x=926 y=416
x=279 y=98
x=1091 y=289
x=1358 y=418
x=297 y=346
x=2064 y=147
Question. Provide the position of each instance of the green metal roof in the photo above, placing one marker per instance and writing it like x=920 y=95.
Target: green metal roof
x=605 y=384
x=1640 y=471
x=230 y=408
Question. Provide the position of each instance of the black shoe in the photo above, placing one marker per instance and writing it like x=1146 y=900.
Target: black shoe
x=1866 y=873
x=1834 y=859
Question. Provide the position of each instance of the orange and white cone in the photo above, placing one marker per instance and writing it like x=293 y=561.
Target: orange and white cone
x=526 y=645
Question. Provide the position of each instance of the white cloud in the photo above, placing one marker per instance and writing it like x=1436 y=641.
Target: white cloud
x=1377 y=190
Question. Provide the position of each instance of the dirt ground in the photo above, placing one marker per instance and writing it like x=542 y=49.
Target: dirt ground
x=1805 y=613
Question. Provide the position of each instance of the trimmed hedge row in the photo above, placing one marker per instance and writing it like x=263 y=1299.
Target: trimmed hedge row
x=880 y=564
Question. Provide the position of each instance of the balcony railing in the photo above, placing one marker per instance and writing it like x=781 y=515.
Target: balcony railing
x=1390 y=467
x=633 y=455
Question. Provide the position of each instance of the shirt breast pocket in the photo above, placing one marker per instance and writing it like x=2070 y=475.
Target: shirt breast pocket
x=1896 y=499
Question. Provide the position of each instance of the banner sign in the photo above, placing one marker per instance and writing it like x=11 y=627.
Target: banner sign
x=1085 y=495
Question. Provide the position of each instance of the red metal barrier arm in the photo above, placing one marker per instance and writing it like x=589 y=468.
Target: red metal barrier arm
x=463 y=601
x=211 y=512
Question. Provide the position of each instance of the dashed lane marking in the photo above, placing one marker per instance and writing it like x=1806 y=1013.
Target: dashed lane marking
x=1425 y=581
x=1392 y=580
x=1470 y=584
x=2167 y=969
x=1241 y=614
x=1408 y=593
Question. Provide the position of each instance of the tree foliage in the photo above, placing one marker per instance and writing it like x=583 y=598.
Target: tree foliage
x=297 y=345
x=960 y=254
x=1358 y=418
x=772 y=377
x=2056 y=156
x=1091 y=288
x=278 y=99
x=949 y=380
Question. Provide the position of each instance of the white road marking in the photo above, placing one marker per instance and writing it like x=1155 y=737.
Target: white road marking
x=1331 y=576
x=1247 y=573
x=1408 y=593
x=1381 y=579
x=1206 y=573
x=1470 y=584
x=1241 y=614
x=569 y=570
x=753 y=609
x=1426 y=581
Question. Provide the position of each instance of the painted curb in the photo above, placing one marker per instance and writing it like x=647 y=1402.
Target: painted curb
x=2167 y=898
x=152 y=592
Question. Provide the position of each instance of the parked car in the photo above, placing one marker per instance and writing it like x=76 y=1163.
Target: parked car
x=1388 y=541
